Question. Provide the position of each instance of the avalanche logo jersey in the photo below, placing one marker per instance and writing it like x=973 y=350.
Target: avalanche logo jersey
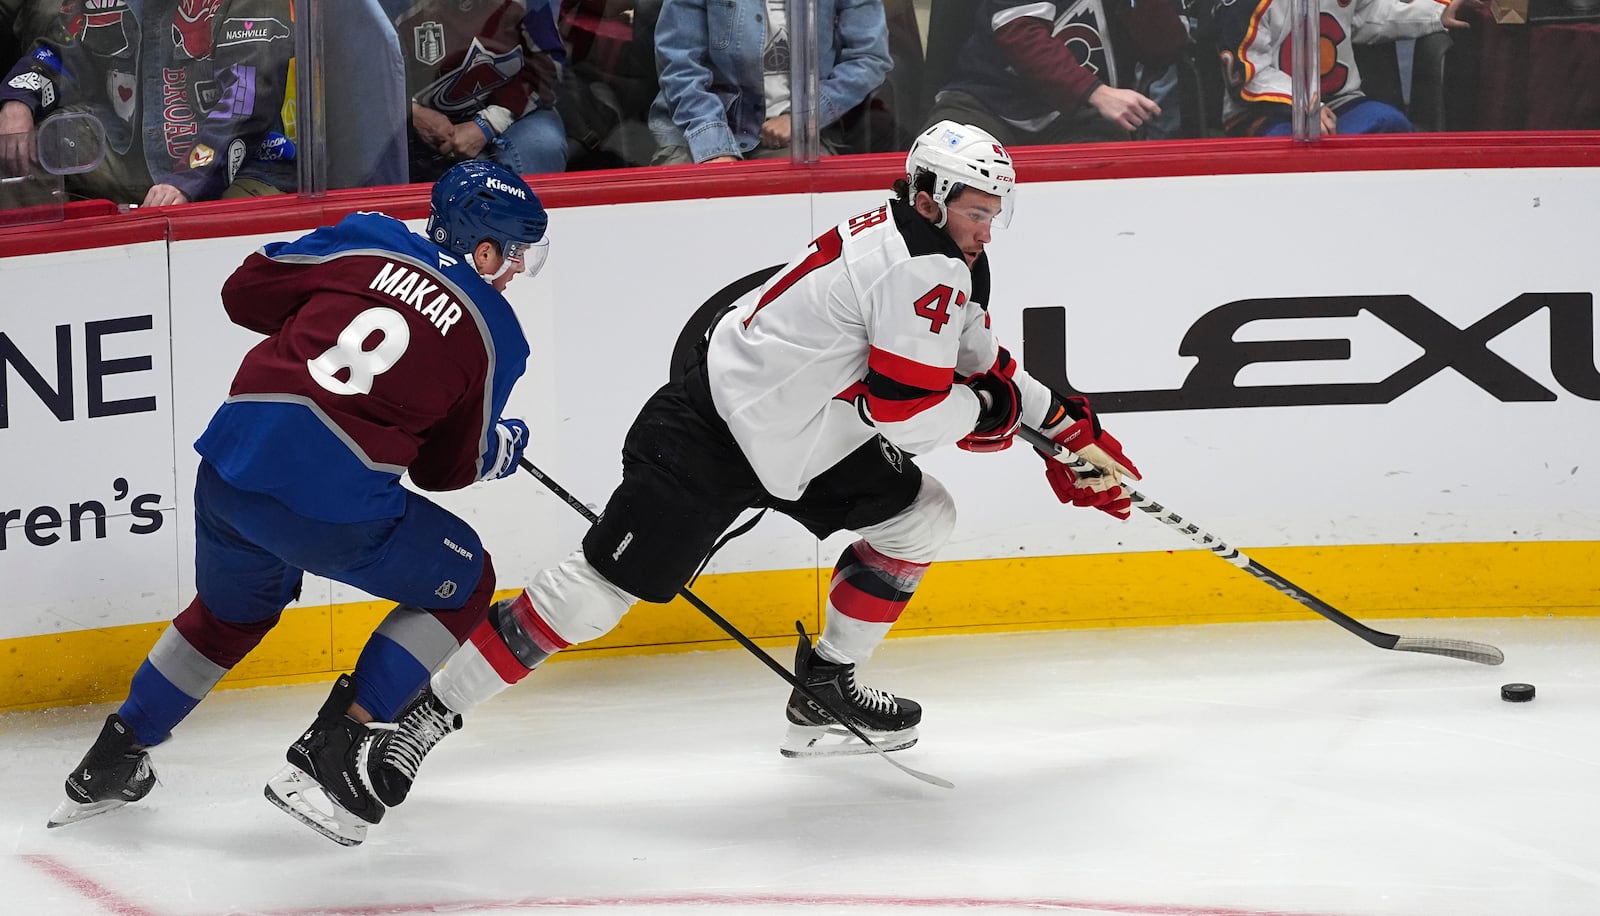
x=1081 y=27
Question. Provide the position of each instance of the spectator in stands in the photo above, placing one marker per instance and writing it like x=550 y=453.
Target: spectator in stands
x=191 y=94
x=1035 y=73
x=482 y=76
x=1254 y=37
x=21 y=21
x=605 y=94
x=724 y=69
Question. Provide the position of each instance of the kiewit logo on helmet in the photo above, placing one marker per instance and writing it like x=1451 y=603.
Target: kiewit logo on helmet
x=498 y=185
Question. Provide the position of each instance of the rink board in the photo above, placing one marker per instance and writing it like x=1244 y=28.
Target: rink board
x=1426 y=583
x=1401 y=429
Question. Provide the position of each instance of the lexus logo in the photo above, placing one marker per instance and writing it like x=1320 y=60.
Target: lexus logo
x=1219 y=356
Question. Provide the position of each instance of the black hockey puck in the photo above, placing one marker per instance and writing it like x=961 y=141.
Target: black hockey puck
x=1516 y=693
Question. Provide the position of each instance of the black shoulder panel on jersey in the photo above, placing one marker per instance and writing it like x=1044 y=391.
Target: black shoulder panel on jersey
x=922 y=237
x=980 y=281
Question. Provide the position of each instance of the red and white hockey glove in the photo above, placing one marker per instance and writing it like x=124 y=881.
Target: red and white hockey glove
x=1000 y=417
x=1076 y=428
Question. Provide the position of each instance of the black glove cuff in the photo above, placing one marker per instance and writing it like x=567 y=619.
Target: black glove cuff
x=1077 y=407
x=1001 y=410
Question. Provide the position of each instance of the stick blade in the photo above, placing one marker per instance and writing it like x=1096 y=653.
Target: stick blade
x=1465 y=650
x=928 y=778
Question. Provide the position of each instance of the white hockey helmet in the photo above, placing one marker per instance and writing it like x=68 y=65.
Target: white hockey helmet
x=962 y=156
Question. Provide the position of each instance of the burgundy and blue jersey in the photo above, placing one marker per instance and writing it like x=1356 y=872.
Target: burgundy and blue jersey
x=1032 y=62
x=384 y=355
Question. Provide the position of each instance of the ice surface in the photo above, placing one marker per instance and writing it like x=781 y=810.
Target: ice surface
x=1225 y=769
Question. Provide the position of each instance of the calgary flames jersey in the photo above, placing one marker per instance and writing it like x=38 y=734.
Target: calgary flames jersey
x=1257 y=54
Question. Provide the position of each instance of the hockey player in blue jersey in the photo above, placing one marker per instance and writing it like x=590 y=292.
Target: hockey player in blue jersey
x=384 y=353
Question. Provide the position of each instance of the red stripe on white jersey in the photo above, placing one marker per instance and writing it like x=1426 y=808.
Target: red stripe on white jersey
x=909 y=372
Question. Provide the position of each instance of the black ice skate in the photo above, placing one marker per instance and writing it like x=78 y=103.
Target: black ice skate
x=322 y=787
x=890 y=721
x=113 y=773
x=391 y=760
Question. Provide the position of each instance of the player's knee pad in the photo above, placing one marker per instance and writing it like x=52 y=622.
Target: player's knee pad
x=576 y=602
x=920 y=531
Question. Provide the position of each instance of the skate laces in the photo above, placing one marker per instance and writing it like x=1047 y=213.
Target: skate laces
x=415 y=735
x=871 y=697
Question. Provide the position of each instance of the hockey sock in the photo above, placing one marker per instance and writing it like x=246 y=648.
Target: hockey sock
x=512 y=642
x=410 y=644
x=865 y=598
x=189 y=658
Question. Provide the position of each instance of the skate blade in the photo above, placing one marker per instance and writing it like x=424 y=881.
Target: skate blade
x=836 y=741
x=70 y=812
x=298 y=794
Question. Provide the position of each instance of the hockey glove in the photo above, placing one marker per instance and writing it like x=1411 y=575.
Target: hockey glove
x=1074 y=426
x=1000 y=416
x=511 y=436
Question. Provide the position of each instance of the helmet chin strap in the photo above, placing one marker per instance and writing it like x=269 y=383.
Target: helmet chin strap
x=944 y=214
x=506 y=266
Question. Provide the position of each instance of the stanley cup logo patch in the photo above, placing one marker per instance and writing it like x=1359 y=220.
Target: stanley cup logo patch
x=429 y=42
x=102 y=26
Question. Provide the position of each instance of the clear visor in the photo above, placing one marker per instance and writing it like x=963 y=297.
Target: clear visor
x=982 y=208
x=531 y=255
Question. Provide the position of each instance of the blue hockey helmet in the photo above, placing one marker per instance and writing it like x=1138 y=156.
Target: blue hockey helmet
x=477 y=200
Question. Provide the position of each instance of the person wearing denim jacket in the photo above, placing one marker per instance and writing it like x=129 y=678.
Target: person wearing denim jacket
x=710 y=57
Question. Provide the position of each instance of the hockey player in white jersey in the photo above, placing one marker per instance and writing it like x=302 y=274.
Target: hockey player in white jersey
x=871 y=347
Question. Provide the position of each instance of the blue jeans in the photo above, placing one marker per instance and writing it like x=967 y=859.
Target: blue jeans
x=1362 y=116
x=534 y=144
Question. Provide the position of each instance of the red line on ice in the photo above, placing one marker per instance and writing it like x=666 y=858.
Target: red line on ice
x=86 y=886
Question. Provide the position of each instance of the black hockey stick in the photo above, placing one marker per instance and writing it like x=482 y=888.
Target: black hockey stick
x=1450 y=648
x=744 y=640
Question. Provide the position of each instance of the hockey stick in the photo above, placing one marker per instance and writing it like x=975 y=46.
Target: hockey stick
x=744 y=640
x=1450 y=648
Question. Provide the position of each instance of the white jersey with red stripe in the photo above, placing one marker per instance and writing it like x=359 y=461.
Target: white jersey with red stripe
x=864 y=333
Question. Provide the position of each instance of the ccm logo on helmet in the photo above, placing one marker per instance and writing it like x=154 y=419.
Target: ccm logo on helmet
x=498 y=185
